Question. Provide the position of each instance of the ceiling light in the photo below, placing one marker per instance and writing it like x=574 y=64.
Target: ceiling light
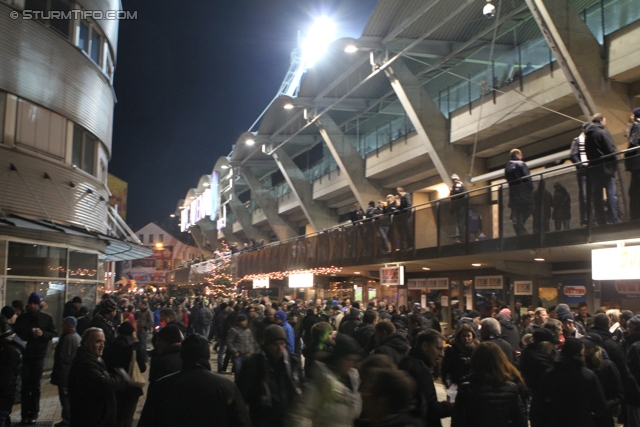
x=351 y=48
x=426 y=268
x=205 y=184
x=288 y=106
x=249 y=142
x=538 y=259
x=476 y=264
x=224 y=167
x=356 y=272
x=172 y=215
x=489 y=10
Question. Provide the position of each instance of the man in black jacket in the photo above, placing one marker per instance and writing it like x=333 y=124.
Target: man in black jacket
x=105 y=319
x=165 y=357
x=490 y=330
x=600 y=149
x=92 y=388
x=11 y=349
x=363 y=333
x=36 y=328
x=404 y=220
x=427 y=352
x=458 y=206
x=578 y=156
x=202 y=396
x=350 y=322
x=389 y=342
x=632 y=397
x=520 y=191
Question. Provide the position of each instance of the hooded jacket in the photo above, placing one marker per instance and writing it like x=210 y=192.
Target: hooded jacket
x=350 y=323
x=164 y=362
x=599 y=143
x=520 y=185
x=395 y=346
x=509 y=333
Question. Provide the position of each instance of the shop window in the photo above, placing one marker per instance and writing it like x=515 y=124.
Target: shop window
x=84 y=150
x=87 y=291
x=26 y=259
x=82 y=265
x=40 y=129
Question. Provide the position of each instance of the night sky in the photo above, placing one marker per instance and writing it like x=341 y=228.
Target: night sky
x=191 y=76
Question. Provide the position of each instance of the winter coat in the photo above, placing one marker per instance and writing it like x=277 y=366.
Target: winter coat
x=534 y=363
x=505 y=347
x=36 y=346
x=631 y=380
x=92 y=391
x=205 y=317
x=395 y=346
x=11 y=350
x=561 y=409
x=350 y=322
x=119 y=354
x=364 y=334
x=63 y=357
x=510 y=334
x=482 y=405
x=107 y=326
x=83 y=324
x=457 y=198
x=270 y=387
x=561 y=204
x=240 y=340
x=164 y=362
x=218 y=322
x=291 y=336
x=202 y=398
x=520 y=186
x=613 y=391
x=69 y=309
x=327 y=401
x=599 y=143
x=145 y=320
x=456 y=364
x=426 y=400
x=632 y=158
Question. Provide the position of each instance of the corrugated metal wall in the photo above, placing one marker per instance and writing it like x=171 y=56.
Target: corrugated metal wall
x=41 y=66
x=54 y=199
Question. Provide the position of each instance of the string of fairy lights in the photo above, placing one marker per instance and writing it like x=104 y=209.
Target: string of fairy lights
x=280 y=275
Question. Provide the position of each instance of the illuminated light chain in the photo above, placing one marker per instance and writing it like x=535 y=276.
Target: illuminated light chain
x=279 y=275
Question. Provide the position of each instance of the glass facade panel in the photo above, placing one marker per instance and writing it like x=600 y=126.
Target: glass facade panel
x=82 y=265
x=76 y=152
x=85 y=290
x=88 y=156
x=83 y=37
x=95 y=47
x=26 y=259
x=52 y=294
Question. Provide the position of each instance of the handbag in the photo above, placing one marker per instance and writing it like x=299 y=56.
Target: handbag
x=137 y=380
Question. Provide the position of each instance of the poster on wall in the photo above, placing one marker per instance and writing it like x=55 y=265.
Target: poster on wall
x=574 y=291
x=489 y=282
x=417 y=284
x=438 y=284
x=444 y=301
x=392 y=276
x=523 y=287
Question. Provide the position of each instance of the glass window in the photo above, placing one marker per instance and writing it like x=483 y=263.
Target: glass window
x=141 y=237
x=150 y=238
x=83 y=37
x=26 y=259
x=88 y=156
x=161 y=238
x=82 y=265
x=95 y=46
x=61 y=25
x=76 y=152
x=85 y=290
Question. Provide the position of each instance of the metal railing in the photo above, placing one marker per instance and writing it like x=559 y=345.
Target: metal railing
x=562 y=212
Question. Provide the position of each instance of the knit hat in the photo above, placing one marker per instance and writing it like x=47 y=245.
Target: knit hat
x=8 y=311
x=273 y=333
x=281 y=316
x=543 y=334
x=241 y=318
x=71 y=321
x=636 y=112
x=634 y=323
x=506 y=312
x=34 y=298
x=108 y=306
x=126 y=328
x=473 y=314
x=572 y=347
x=195 y=348
x=76 y=299
x=592 y=340
x=562 y=309
x=345 y=346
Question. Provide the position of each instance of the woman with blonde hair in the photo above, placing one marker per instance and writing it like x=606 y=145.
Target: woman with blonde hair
x=614 y=324
x=490 y=397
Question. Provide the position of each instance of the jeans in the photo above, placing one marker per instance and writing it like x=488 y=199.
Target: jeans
x=237 y=364
x=142 y=337
x=383 y=231
x=519 y=219
x=603 y=180
x=63 y=394
x=582 y=194
x=222 y=350
x=461 y=222
x=562 y=224
x=31 y=376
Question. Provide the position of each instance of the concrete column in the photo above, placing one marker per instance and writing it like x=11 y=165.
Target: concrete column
x=244 y=218
x=349 y=161
x=269 y=206
x=198 y=237
x=209 y=230
x=316 y=213
x=430 y=123
x=580 y=56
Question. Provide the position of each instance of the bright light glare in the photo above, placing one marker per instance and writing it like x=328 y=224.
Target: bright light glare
x=351 y=48
x=288 y=106
x=250 y=142
x=320 y=35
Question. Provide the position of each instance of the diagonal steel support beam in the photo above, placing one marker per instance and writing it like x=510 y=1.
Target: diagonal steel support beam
x=244 y=218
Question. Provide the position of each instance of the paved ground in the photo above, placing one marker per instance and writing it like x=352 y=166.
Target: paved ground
x=50 y=405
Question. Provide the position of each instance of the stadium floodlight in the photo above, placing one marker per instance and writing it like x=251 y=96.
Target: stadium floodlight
x=314 y=45
x=351 y=48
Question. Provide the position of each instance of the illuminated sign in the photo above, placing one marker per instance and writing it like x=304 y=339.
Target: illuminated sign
x=206 y=205
x=489 y=282
x=301 y=280
x=616 y=263
x=392 y=276
x=262 y=283
x=417 y=284
x=441 y=284
x=523 y=287
x=574 y=291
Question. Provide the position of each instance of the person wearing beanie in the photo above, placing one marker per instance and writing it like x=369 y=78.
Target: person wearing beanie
x=458 y=209
x=509 y=331
x=71 y=307
x=201 y=395
x=105 y=319
x=11 y=350
x=240 y=343
x=119 y=354
x=10 y=314
x=615 y=352
x=584 y=404
x=280 y=318
x=490 y=330
x=270 y=381
x=165 y=357
x=632 y=164
x=36 y=328
x=63 y=357
x=330 y=398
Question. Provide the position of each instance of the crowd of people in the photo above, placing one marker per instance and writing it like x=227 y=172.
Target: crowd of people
x=328 y=363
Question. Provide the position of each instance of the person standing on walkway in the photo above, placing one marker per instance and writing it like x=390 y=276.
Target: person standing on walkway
x=578 y=156
x=36 y=328
x=62 y=359
x=458 y=209
x=632 y=164
x=520 y=191
x=11 y=349
x=145 y=323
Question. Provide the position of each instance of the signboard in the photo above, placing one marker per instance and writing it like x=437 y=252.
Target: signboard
x=206 y=205
x=301 y=280
x=574 y=291
x=523 y=287
x=620 y=289
x=392 y=276
x=439 y=284
x=118 y=189
x=444 y=301
x=616 y=263
x=262 y=283
x=417 y=284
x=489 y=282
